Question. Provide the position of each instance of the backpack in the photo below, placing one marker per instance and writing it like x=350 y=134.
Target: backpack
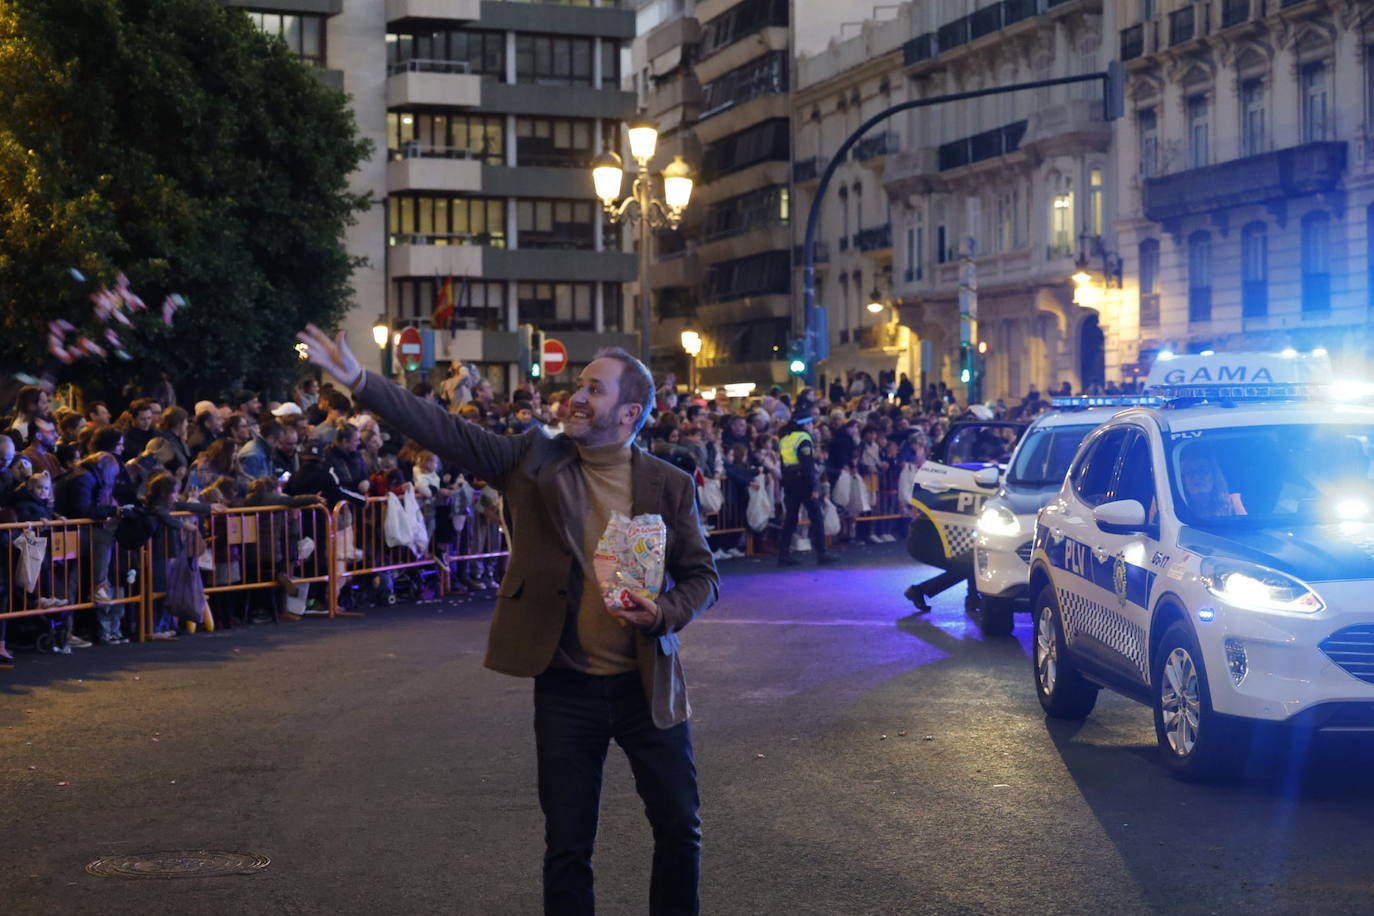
x=136 y=527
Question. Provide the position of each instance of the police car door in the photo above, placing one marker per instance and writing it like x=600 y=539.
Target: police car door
x=1094 y=627
x=1133 y=557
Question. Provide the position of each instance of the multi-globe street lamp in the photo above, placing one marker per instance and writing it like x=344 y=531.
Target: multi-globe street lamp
x=608 y=173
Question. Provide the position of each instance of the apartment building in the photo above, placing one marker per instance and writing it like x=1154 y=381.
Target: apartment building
x=1247 y=177
x=485 y=115
x=1017 y=186
x=837 y=90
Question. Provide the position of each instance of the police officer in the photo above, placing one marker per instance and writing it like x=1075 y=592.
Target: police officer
x=801 y=486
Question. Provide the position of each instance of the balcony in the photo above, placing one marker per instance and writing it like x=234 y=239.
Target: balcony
x=918 y=49
x=682 y=90
x=911 y=171
x=1299 y=170
x=953 y=34
x=804 y=170
x=872 y=149
x=878 y=336
x=434 y=168
x=874 y=240
x=432 y=256
x=418 y=82
x=402 y=15
x=820 y=253
x=988 y=145
x=676 y=33
x=1014 y=11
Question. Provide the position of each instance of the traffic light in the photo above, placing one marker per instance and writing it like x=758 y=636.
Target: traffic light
x=1114 y=92
x=536 y=361
x=965 y=363
x=796 y=356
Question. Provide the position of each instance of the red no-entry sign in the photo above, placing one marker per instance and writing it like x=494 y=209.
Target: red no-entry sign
x=411 y=349
x=555 y=356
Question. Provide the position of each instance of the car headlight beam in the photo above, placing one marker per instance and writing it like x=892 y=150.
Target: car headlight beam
x=1258 y=588
x=999 y=521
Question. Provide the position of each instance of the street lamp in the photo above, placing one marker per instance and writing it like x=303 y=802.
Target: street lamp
x=607 y=175
x=691 y=342
x=380 y=332
x=875 y=302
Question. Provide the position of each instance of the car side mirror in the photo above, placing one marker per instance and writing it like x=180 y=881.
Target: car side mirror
x=987 y=477
x=1121 y=516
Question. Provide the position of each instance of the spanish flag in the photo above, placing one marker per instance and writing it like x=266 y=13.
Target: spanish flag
x=443 y=306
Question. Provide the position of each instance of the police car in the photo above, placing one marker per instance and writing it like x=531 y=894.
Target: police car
x=1214 y=559
x=950 y=489
x=1002 y=537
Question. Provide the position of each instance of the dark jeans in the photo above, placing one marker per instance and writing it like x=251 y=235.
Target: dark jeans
x=794 y=497
x=575 y=717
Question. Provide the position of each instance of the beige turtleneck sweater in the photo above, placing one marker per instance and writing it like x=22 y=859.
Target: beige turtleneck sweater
x=608 y=647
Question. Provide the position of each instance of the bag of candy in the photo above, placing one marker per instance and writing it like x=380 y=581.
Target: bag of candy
x=629 y=558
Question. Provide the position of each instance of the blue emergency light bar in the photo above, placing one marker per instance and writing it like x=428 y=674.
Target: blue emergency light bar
x=1242 y=392
x=1110 y=400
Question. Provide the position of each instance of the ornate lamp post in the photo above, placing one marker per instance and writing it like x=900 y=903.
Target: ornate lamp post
x=608 y=173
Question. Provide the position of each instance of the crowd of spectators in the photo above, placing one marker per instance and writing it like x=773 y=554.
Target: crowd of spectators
x=94 y=461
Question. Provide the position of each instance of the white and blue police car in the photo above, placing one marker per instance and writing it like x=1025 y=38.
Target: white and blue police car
x=1002 y=539
x=1214 y=558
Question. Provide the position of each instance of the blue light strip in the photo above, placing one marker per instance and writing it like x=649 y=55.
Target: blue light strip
x=1119 y=400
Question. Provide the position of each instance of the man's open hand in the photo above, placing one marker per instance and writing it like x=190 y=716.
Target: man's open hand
x=643 y=615
x=333 y=356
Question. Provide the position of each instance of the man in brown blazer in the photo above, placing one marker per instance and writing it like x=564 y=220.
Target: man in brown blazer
x=600 y=672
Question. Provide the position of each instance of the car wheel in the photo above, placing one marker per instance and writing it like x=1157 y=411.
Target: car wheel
x=998 y=616
x=1063 y=692
x=1196 y=741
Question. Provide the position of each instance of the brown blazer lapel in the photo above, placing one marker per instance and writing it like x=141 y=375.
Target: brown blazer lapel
x=546 y=478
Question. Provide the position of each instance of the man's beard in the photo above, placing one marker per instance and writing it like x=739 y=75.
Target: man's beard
x=595 y=427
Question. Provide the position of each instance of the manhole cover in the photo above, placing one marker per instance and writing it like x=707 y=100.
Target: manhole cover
x=189 y=864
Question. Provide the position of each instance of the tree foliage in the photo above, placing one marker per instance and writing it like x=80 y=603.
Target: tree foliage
x=173 y=141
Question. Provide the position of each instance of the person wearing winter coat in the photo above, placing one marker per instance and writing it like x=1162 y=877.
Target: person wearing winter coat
x=88 y=492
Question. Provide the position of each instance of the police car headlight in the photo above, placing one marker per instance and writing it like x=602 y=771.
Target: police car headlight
x=999 y=521
x=1248 y=585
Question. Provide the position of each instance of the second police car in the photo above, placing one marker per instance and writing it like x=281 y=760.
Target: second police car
x=1002 y=543
x=1214 y=559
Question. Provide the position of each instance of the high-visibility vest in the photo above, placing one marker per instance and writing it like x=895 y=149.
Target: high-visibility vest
x=789 y=445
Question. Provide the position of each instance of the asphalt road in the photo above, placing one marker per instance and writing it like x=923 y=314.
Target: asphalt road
x=851 y=762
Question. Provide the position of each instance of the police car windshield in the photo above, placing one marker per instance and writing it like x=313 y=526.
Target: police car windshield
x=980 y=445
x=1045 y=455
x=1256 y=476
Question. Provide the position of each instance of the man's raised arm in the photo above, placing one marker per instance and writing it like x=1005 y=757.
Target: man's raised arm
x=467 y=445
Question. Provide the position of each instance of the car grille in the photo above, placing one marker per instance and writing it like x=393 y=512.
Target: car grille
x=1024 y=552
x=1352 y=649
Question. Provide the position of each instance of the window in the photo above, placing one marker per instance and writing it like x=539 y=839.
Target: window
x=429 y=220
x=612 y=306
x=1316 y=262
x=1149 y=283
x=941 y=234
x=303 y=34
x=740 y=21
x=1315 y=122
x=763 y=274
x=1200 y=277
x=762 y=76
x=1092 y=478
x=475 y=51
x=1252 y=118
x=557 y=306
x=555 y=224
x=1254 y=270
x=1061 y=218
x=858 y=207
x=910 y=255
x=610 y=63
x=553 y=60
x=1148 y=10
x=1006 y=221
x=1137 y=479
x=411 y=134
x=1095 y=202
x=1199 y=132
x=757 y=209
x=478 y=305
x=1147 y=122
x=762 y=142
x=555 y=142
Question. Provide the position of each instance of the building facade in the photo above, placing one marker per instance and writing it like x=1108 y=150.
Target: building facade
x=1247 y=177
x=1012 y=191
x=485 y=116
x=837 y=91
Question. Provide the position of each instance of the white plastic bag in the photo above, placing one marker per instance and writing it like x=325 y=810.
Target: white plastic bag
x=860 y=502
x=396 y=525
x=760 y=508
x=906 y=484
x=832 y=519
x=31 y=549
x=840 y=492
x=711 y=496
x=418 y=538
